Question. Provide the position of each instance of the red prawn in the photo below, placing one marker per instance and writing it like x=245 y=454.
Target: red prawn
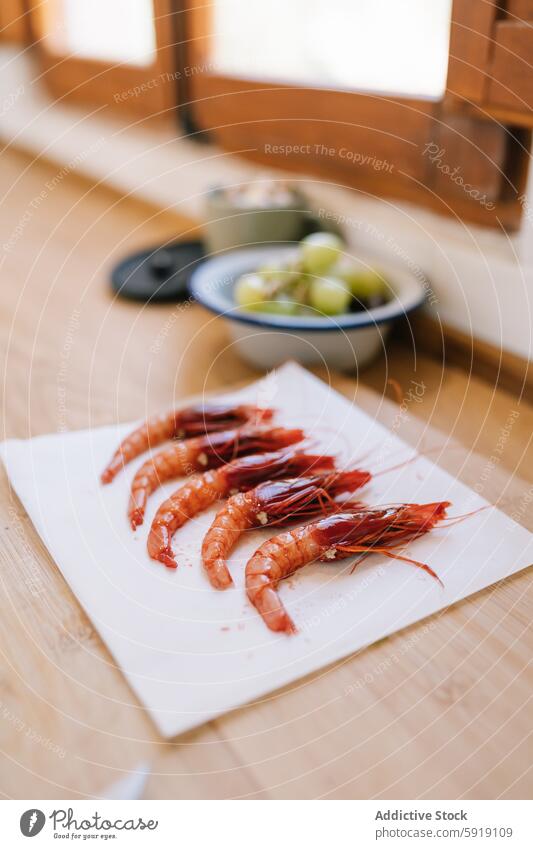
x=182 y=424
x=202 y=453
x=273 y=503
x=364 y=531
x=202 y=490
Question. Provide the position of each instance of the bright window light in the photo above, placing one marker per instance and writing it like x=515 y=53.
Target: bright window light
x=370 y=45
x=110 y=30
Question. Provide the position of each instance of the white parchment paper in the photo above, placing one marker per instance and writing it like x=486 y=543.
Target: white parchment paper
x=192 y=653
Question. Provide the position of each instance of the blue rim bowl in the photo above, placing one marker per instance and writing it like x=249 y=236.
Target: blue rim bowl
x=212 y=284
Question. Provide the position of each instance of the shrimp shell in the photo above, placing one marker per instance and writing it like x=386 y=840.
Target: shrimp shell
x=276 y=559
x=181 y=424
x=238 y=514
x=194 y=496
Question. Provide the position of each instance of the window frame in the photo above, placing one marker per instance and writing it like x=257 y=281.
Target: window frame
x=14 y=21
x=479 y=140
x=226 y=108
x=491 y=54
x=141 y=91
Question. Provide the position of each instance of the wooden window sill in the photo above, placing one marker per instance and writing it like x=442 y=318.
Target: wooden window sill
x=149 y=161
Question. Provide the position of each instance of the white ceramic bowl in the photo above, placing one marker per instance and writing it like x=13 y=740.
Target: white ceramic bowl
x=345 y=342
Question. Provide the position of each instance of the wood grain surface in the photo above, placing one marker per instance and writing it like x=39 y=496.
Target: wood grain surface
x=440 y=710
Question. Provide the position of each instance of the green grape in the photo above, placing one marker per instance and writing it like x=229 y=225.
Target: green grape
x=281 y=305
x=268 y=272
x=299 y=288
x=364 y=282
x=319 y=251
x=250 y=291
x=278 y=276
x=330 y=296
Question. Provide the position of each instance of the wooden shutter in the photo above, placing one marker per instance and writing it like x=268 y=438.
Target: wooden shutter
x=491 y=58
x=133 y=89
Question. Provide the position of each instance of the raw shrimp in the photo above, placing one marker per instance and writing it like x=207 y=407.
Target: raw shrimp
x=288 y=500
x=181 y=424
x=364 y=531
x=199 y=454
x=204 y=489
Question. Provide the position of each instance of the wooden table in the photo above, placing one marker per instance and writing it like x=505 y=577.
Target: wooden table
x=445 y=710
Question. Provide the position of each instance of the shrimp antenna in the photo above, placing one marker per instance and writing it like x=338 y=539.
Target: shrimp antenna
x=397 y=466
x=454 y=520
x=387 y=552
x=412 y=459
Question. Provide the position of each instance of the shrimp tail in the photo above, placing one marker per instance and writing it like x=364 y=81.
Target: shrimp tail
x=137 y=506
x=136 y=515
x=219 y=575
x=166 y=556
x=196 y=495
x=160 y=544
x=265 y=599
